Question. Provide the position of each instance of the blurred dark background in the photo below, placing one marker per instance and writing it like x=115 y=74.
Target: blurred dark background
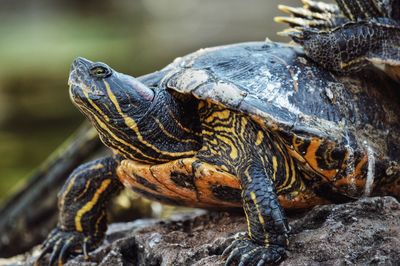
x=40 y=38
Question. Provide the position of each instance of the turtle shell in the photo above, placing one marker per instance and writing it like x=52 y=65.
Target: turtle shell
x=348 y=117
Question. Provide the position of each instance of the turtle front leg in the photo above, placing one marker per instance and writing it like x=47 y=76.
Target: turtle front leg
x=82 y=215
x=268 y=229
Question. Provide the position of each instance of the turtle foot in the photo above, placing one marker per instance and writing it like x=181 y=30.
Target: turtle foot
x=63 y=244
x=245 y=252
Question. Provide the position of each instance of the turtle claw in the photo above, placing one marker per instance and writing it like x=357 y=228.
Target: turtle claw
x=85 y=249
x=244 y=252
x=301 y=12
x=301 y=22
x=62 y=244
x=41 y=255
x=55 y=254
x=320 y=7
x=62 y=254
x=313 y=14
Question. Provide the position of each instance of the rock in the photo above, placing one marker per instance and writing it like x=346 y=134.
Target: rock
x=198 y=238
x=362 y=232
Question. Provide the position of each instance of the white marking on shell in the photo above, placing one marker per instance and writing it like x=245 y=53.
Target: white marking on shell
x=189 y=80
x=371 y=171
x=282 y=99
x=295 y=76
x=274 y=94
x=310 y=89
x=225 y=92
x=329 y=93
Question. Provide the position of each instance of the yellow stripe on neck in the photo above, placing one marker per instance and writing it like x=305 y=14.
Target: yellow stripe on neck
x=131 y=123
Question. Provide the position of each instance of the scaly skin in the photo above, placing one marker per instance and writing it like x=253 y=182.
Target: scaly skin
x=194 y=148
x=353 y=45
x=82 y=201
x=365 y=32
x=82 y=205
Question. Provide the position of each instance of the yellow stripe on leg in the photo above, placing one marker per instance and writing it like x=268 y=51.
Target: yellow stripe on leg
x=88 y=206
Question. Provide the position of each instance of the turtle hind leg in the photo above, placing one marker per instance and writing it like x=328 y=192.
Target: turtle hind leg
x=351 y=46
x=82 y=216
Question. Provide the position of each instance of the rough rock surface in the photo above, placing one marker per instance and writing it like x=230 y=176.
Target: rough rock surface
x=362 y=232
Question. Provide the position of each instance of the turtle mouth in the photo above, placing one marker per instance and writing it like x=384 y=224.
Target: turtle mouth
x=76 y=86
x=77 y=74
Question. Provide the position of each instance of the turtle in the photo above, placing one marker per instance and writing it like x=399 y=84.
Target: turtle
x=253 y=125
x=349 y=35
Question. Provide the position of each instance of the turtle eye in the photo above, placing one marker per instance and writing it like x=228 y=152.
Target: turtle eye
x=100 y=71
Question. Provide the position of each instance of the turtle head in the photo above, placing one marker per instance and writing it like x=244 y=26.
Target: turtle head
x=104 y=94
x=130 y=117
x=100 y=91
x=113 y=102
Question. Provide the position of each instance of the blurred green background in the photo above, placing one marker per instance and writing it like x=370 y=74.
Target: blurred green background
x=40 y=38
